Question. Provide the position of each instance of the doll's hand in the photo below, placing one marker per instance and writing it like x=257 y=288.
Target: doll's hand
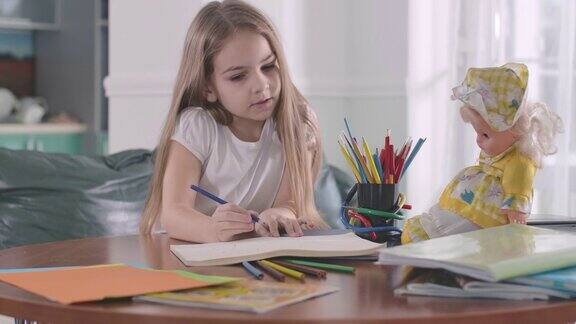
x=515 y=217
x=230 y=220
x=272 y=219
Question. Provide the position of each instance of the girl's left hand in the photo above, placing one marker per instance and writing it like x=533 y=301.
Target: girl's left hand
x=515 y=217
x=273 y=219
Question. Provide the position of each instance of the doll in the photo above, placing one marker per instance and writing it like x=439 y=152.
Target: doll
x=513 y=136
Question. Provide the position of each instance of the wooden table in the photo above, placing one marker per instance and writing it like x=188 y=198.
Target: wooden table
x=364 y=297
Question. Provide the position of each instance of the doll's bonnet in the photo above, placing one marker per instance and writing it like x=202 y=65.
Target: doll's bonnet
x=496 y=93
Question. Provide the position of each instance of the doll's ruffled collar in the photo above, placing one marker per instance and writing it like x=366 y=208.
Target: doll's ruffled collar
x=484 y=158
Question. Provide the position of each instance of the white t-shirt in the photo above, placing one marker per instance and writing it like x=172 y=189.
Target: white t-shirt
x=244 y=173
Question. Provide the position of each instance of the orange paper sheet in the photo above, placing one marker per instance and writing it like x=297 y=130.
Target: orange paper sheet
x=94 y=283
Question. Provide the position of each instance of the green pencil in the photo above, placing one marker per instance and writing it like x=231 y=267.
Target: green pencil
x=323 y=266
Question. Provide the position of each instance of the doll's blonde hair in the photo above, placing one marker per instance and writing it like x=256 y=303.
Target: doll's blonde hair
x=212 y=26
x=536 y=129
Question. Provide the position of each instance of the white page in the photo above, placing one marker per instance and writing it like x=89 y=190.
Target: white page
x=266 y=247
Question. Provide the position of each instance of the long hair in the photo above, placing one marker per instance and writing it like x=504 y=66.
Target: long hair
x=295 y=122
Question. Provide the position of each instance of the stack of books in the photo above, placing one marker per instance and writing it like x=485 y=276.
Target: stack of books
x=508 y=262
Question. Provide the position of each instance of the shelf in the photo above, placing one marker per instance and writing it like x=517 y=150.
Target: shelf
x=45 y=128
x=9 y=23
x=30 y=14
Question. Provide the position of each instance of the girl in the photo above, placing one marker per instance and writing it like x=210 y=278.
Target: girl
x=513 y=137
x=238 y=128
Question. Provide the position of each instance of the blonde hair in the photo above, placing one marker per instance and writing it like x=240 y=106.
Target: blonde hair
x=536 y=129
x=206 y=35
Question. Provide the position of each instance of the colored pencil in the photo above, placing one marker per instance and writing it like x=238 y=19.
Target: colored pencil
x=304 y=269
x=323 y=266
x=357 y=158
x=378 y=166
x=413 y=154
x=208 y=194
x=348 y=159
x=370 y=161
x=387 y=140
x=360 y=157
x=219 y=200
x=289 y=272
x=399 y=169
x=391 y=159
x=348 y=128
x=252 y=270
x=272 y=272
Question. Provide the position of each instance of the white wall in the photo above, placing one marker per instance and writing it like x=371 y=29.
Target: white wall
x=348 y=58
x=146 y=37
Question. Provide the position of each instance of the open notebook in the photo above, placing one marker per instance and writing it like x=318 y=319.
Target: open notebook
x=223 y=253
x=490 y=254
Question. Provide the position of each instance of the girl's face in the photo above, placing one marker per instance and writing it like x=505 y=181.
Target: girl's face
x=490 y=141
x=246 y=79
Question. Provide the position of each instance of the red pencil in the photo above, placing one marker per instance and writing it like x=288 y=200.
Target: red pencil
x=399 y=167
x=385 y=166
x=387 y=139
x=392 y=161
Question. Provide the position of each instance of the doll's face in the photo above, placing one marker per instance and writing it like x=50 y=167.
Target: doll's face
x=490 y=141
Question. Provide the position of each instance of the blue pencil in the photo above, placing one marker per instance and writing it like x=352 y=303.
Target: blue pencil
x=360 y=168
x=348 y=128
x=252 y=270
x=217 y=199
x=208 y=195
x=412 y=155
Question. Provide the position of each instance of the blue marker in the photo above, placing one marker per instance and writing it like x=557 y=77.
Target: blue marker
x=218 y=199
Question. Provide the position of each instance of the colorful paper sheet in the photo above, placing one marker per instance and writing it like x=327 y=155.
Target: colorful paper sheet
x=83 y=284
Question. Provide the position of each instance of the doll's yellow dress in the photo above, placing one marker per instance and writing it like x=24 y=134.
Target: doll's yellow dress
x=478 y=193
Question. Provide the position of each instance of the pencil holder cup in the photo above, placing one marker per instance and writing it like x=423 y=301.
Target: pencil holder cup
x=377 y=196
x=373 y=201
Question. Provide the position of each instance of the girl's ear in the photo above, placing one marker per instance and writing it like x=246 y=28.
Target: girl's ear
x=211 y=94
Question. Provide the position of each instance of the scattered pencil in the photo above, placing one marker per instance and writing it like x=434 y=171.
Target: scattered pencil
x=271 y=271
x=321 y=274
x=289 y=272
x=323 y=266
x=252 y=270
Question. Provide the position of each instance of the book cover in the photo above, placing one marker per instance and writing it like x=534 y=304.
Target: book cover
x=490 y=254
x=247 y=296
x=563 y=279
x=224 y=253
x=442 y=283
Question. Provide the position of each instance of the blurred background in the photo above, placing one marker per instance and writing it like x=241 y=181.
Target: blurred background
x=95 y=76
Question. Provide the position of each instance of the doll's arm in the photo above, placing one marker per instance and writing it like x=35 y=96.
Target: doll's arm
x=517 y=182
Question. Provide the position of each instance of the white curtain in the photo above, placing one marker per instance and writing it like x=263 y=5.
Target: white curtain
x=446 y=37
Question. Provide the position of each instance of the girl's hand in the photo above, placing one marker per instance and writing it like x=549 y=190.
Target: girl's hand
x=515 y=217
x=230 y=220
x=272 y=219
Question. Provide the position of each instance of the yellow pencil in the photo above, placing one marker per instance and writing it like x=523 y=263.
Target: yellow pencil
x=370 y=159
x=289 y=272
x=363 y=163
x=348 y=159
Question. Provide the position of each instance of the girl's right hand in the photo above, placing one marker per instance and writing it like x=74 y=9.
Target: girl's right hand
x=229 y=220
